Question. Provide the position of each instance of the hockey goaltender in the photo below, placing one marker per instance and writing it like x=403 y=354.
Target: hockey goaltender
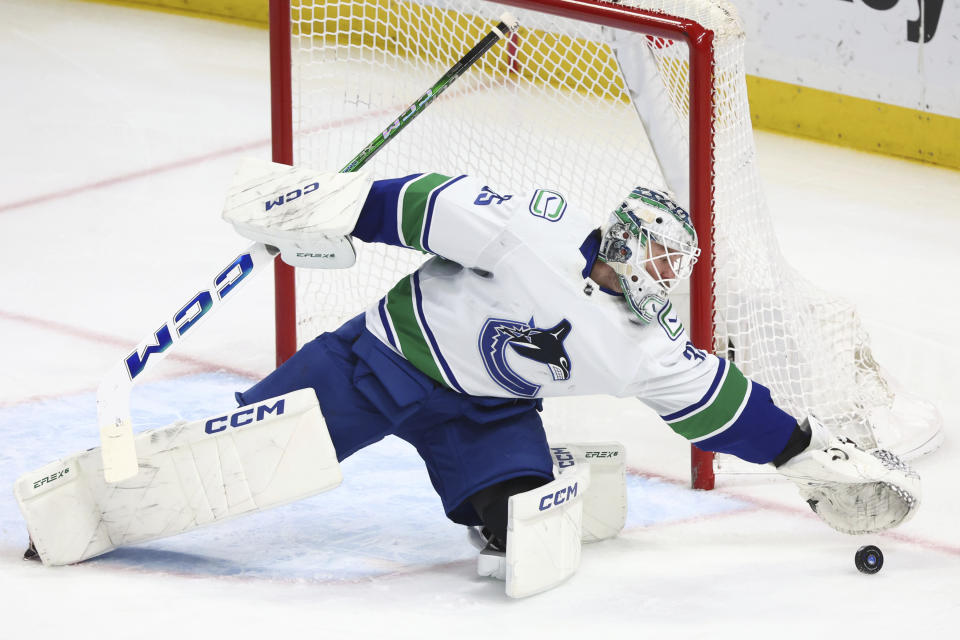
x=522 y=300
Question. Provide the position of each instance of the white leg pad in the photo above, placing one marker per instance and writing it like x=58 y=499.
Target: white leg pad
x=191 y=474
x=605 y=504
x=543 y=533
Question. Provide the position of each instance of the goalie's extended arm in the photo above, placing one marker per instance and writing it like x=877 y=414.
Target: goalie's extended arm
x=456 y=217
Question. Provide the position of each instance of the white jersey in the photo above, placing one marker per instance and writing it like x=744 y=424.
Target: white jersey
x=505 y=308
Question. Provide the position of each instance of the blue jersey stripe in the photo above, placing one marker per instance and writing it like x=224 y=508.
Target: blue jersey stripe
x=386 y=323
x=759 y=433
x=378 y=217
x=430 y=206
x=418 y=297
x=706 y=397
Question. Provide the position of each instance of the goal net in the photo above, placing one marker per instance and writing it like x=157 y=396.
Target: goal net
x=590 y=98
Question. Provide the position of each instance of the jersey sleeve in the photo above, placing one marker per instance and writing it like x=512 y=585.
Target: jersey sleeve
x=707 y=400
x=452 y=217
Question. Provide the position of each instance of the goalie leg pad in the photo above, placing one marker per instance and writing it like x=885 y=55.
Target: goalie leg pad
x=191 y=474
x=605 y=504
x=491 y=505
x=544 y=527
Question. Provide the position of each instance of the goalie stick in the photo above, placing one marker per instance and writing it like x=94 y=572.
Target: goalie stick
x=113 y=394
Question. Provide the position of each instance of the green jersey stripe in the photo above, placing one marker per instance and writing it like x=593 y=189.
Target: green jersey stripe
x=720 y=412
x=729 y=423
x=402 y=312
x=413 y=207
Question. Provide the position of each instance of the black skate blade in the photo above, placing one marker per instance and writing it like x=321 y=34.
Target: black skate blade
x=31 y=553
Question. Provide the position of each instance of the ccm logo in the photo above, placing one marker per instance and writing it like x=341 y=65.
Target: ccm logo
x=563 y=457
x=293 y=195
x=424 y=100
x=396 y=125
x=558 y=498
x=243 y=417
x=191 y=312
x=602 y=454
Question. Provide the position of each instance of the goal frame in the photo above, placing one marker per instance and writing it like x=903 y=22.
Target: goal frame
x=700 y=43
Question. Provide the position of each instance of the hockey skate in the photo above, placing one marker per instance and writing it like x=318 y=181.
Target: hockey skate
x=492 y=561
x=31 y=552
x=851 y=489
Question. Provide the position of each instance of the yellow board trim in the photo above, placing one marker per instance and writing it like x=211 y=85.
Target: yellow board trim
x=854 y=122
x=777 y=106
x=247 y=12
x=574 y=64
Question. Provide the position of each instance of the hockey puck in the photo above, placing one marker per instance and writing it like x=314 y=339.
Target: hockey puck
x=869 y=559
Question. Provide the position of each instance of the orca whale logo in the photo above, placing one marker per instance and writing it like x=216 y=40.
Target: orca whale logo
x=525 y=339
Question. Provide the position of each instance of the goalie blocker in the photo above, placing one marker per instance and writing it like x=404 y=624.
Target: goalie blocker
x=307 y=215
x=190 y=474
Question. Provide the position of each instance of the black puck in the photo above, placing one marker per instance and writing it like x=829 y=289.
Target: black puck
x=869 y=559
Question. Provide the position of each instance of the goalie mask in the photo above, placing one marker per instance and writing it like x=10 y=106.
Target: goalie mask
x=651 y=245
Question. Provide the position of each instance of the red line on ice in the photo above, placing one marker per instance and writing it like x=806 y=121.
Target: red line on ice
x=126 y=177
x=795 y=511
x=171 y=166
x=402 y=571
x=102 y=338
x=186 y=162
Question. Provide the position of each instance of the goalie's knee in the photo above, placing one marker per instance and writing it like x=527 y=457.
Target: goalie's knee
x=605 y=505
x=544 y=525
x=491 y=503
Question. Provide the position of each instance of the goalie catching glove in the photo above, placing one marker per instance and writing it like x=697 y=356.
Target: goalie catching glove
x=853 y=490
x=307 y=215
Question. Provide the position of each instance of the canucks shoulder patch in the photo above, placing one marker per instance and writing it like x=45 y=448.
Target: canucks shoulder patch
x=548 y=205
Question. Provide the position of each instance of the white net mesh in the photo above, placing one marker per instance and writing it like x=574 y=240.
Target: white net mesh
x=551 y=108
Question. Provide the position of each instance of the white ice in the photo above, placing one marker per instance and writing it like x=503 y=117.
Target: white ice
x=120 y=129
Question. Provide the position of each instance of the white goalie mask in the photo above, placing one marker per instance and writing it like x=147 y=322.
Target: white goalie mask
x=652 y=246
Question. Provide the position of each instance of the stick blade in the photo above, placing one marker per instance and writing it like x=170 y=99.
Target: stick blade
x=118 y=451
